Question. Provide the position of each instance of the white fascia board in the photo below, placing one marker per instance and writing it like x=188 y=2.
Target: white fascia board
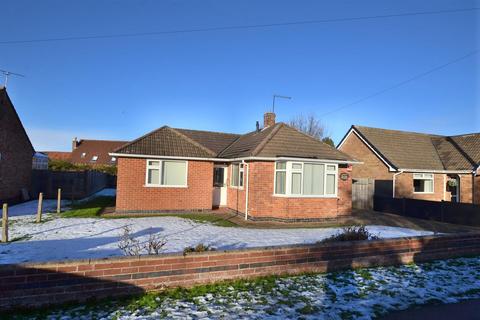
x=119 y=155
x=390 y=168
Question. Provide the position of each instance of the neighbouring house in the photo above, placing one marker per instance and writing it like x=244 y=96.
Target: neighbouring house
x=40 y=161
x=58 y=155
x=274 y=173
x=16 y=152
x=416 y=165
x=94 y=152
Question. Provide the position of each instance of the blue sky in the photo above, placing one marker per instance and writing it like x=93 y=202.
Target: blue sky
x=224 y=80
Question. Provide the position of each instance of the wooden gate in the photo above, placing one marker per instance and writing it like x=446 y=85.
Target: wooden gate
x=362 y=193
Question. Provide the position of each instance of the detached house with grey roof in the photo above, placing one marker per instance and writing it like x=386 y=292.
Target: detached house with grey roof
x=274 y=173
x=417 y=165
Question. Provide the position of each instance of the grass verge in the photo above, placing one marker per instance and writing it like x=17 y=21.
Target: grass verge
x=89 y=209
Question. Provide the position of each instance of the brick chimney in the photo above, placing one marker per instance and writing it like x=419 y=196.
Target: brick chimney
x=268 y=119
x=74 y=143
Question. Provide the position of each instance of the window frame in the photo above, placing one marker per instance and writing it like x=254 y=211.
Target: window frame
x=160 y=173
x=241 y=171
x=423 y=178
x=288 y=180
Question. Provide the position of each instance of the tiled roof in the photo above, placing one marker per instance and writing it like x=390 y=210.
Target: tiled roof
x=58 y=155
x=275 y=141
x=88 y=149
x=411 y=150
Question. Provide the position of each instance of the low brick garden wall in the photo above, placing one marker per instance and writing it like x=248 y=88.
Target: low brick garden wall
x=57 y=282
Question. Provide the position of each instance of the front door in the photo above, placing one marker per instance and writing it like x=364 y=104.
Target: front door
x=219 y=186
x=453 y=186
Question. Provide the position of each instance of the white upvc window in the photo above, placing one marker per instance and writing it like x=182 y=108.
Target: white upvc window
x=423 y=183
x=237 y=175
x=305 y=179
x=166 y=173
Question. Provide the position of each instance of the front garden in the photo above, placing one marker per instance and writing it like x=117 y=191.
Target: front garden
x=83 y=231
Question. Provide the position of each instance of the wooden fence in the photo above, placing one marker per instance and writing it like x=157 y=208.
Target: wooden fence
x=74 y=184
x=443 y=211
x=362 y=194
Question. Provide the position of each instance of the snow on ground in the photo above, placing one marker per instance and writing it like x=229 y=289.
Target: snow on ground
x=74 y=238
x=354 y=294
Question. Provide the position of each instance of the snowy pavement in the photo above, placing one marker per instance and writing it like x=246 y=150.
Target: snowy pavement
x=75 y=238
x=354 y=294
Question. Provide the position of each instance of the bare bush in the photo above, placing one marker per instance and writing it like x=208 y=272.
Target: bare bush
x=353 y=233
x=155 y=244
x=199 y=248
x=133 y=247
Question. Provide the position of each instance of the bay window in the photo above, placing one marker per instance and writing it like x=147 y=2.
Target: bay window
x=237 y=175
x=307 y=179
x=168 y=173
x=423 y=182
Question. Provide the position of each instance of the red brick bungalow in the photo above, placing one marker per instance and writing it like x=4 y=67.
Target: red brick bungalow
x=416 y=165
x=276 y=173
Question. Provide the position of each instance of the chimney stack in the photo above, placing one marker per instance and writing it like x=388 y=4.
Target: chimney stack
x=74 y=143
x=257 y=126
x=268 y=119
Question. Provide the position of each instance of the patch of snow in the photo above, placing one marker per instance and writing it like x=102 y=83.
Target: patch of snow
x=75 y=238
x=107 y=192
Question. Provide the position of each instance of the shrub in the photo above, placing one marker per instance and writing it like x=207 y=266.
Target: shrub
x=132 y=247
x=353 y=233
x=199 y=248
x=62 y=165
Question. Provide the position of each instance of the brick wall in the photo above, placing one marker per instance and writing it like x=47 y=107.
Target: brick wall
x=262 y=204
x=53 y=283
x=466 y=188
x=372 y=166
x=404 y=187
x=133 y=196
x=477 y=188
x=16 y=153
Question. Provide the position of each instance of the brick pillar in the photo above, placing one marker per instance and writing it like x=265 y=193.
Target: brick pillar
x=268 y=119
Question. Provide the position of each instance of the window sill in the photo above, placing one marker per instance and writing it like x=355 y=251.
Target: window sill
x=414 y=192
x=160 y=186
x=238 y=188
x=304 y=196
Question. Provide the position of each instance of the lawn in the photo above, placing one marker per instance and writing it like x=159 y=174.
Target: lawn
x=96 y=207
x=89 y=209
x=362 y=293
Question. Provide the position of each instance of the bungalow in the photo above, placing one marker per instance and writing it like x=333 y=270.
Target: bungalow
x=274 y=173
x=416 y=165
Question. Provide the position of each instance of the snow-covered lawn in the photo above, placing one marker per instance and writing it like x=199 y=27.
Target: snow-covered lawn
x=358 y=294
x=73 y=238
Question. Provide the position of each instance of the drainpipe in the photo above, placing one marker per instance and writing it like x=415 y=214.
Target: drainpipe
x=394 y=181
x=246 y=168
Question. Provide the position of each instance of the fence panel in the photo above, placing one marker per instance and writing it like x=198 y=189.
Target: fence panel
x=450 y=212
x=74 y=184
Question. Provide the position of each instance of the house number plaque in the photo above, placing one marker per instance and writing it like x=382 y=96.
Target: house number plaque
x=344 y=176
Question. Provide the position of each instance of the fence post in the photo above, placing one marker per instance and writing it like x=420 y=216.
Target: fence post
x=5 y=223
x=59 y=200
x=39 y=208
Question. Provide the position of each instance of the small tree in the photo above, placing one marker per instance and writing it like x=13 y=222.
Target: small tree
x=312 y=126
x=328 y=141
